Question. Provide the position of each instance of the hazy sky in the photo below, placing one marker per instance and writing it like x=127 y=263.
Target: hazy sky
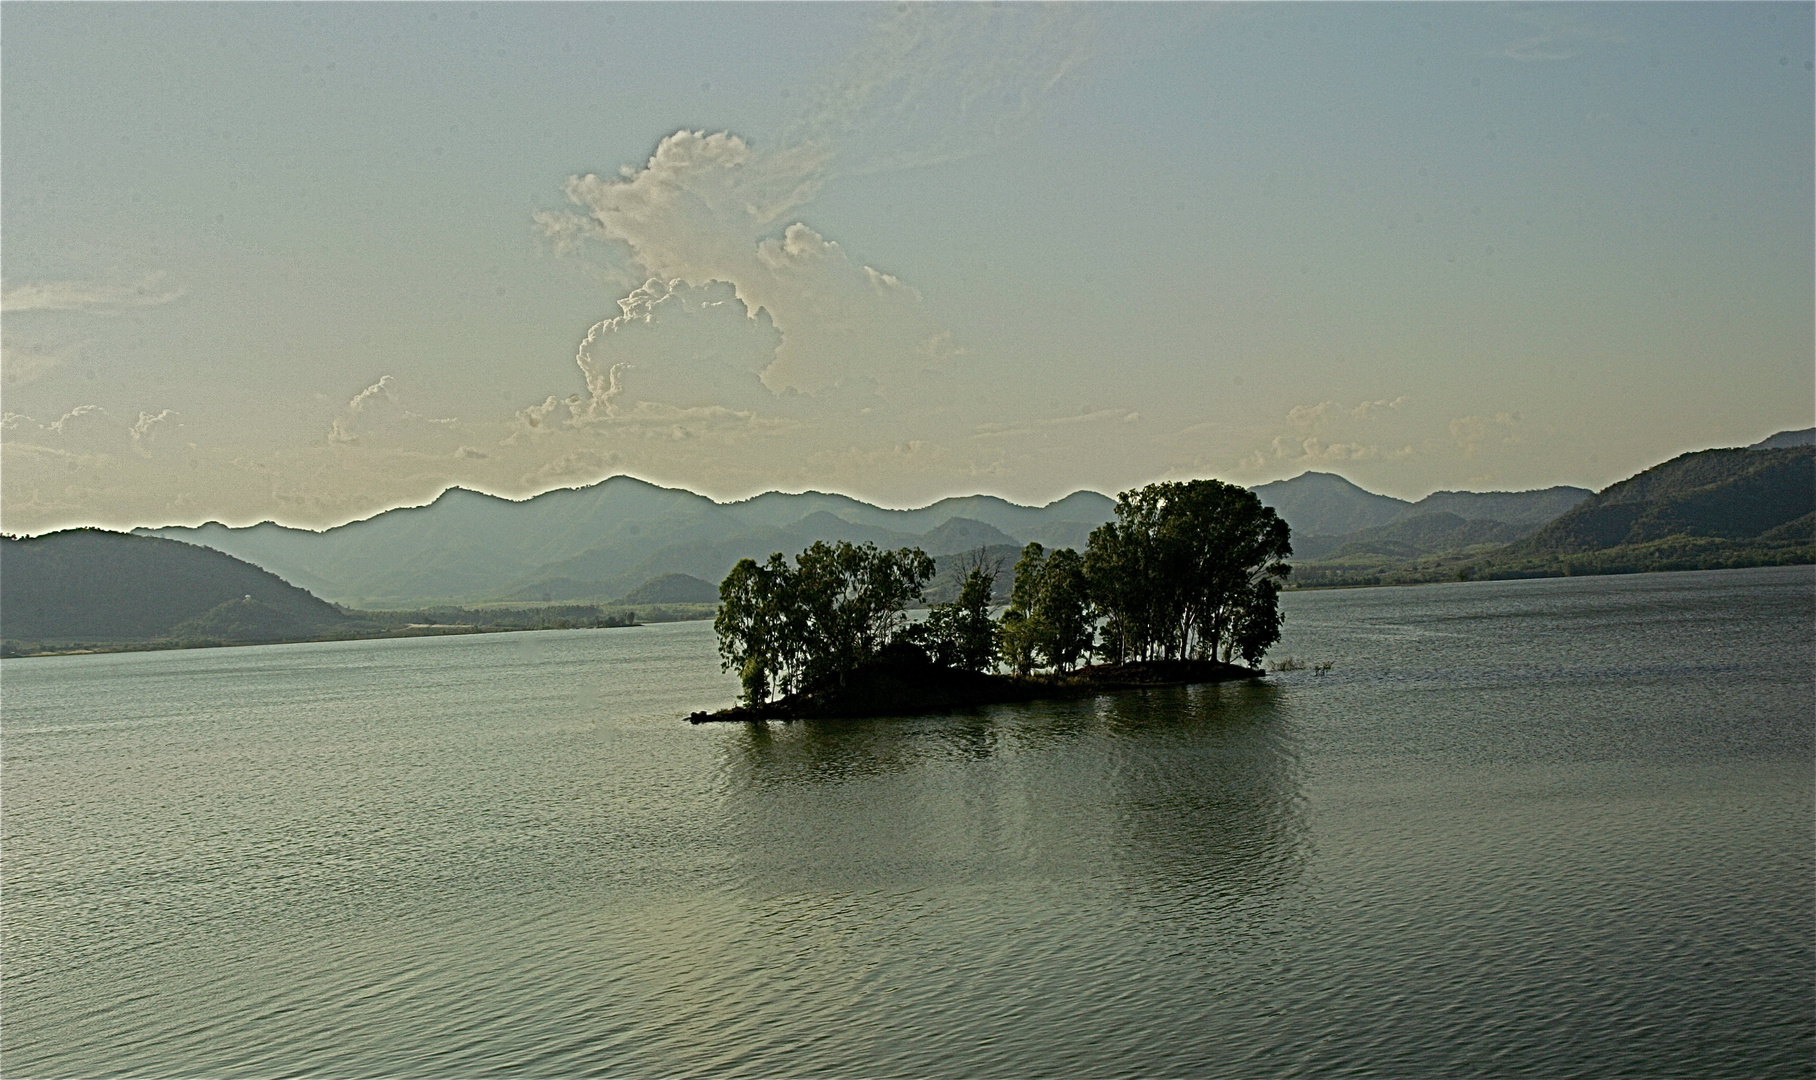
x=308 y=262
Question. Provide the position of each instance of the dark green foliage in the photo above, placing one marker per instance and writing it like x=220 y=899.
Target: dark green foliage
x=1049 y=621
x=1188 y=570
x=950 y=570
x=1671 y=553
x=792 y=629
x=960 y=634
x=242 y=621
x=1186 y=580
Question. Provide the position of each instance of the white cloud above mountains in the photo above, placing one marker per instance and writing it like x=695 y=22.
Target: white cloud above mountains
x=704 y=210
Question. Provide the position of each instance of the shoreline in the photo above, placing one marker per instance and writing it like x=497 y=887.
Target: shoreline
x=894 y=690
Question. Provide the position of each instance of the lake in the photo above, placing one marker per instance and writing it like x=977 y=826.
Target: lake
x=1558 y=827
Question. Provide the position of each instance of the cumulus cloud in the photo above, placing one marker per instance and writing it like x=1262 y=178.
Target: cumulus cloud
x=703 y=210
x=1373 y=408
x=1330 y=433
x=1317 y=417
x=142 y=430
x=745 y=348
x=376 y=410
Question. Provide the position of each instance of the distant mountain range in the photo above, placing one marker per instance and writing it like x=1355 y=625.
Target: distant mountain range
x=600 y=543
x=606 y=542
x=86 y=590
x=1326 y=511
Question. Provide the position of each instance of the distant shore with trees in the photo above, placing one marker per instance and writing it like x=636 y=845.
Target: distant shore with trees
x=1183 y=586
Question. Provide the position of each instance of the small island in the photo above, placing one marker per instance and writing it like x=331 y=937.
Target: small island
x=1183 y=587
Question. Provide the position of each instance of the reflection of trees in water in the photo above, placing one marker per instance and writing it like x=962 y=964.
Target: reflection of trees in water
x=1208 y=792
x=1165 y=794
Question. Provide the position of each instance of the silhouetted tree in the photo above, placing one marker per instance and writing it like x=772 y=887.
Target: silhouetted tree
x=960 y=634
x=1189 y=570
x=1049 y=621
x=789 y=629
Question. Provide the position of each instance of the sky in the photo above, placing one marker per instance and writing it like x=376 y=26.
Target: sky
x=307 y=262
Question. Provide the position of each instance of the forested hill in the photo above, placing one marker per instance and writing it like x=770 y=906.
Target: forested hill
x=92 y=585
x=1703 y=510
x=1728 y=494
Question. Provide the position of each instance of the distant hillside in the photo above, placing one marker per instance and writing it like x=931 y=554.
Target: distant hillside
x=964 y=534
x=1328 y=506
x=1704 y=510
x=1729 y=494
x=1786 y=439
x=1325 y=504
x=1529 y=509
x=91 y=585
x=674 y=589
x=600 y=542
x=1713 y=509
x=1425 y=534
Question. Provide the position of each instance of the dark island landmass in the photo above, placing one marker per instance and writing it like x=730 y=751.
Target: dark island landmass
x=1183 y=587
x=909 y=688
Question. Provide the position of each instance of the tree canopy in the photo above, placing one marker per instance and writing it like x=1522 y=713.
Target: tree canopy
x=960 y=634
x=788 y=629
x=1189 y=569
x=1049 y=620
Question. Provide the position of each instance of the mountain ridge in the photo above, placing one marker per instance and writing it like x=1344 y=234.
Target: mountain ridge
x=600 y=541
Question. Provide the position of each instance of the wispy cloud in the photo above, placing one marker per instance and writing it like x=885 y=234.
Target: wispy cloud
x=86 y=295
x=1557 y=36
x=22 y=365
x=1472 y=434
x=938 y=82
x=1112 y=414
x=376 y=409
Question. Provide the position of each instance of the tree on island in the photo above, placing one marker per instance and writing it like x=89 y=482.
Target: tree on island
x=1188 y=570
x=1049 y=621
x=793 y=629
x=960 y=634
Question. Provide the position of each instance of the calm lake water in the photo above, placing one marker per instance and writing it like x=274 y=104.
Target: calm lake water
x=1557 y=828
